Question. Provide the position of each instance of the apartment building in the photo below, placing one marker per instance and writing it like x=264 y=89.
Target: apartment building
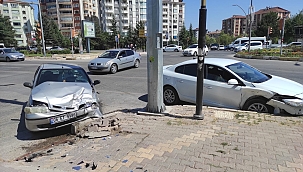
x=238 y=25
x=118 y=9
x=173 y=18
x=68 y=14
x=235 y=25
x=259 y=14
x=21 y=15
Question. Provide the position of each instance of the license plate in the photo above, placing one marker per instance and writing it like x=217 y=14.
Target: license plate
x=93 y=67
x=62 y=118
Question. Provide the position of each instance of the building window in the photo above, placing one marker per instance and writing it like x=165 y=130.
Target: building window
x=24 y=18
x=23 y=12
x=5 y=5
x=18 y=36
x=16 y=24
x=76 y=5
x=15 y=17
x=15 y=12
x=14 y=5
x=20 y=41
x=77 y=18
x=5 y=11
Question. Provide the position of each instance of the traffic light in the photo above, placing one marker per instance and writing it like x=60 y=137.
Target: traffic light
x=270 y=30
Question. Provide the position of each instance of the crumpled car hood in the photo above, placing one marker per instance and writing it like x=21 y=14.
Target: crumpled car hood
x=67 y=94
x=282 y=86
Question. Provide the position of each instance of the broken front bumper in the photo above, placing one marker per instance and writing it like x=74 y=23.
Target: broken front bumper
x=294 y=110
x=40 y=119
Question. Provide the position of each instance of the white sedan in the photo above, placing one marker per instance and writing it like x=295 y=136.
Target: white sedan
x=172 y=47
x=232 y=84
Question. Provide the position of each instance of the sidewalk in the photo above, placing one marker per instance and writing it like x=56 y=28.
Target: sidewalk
x=226 y=140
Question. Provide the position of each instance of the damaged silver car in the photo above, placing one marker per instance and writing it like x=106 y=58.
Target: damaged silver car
x=232 y=84
x=61 y=94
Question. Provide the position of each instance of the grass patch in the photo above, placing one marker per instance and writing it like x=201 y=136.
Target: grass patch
x=237 y=116
x=236 y=148
x=224 y=144
x=169 y=123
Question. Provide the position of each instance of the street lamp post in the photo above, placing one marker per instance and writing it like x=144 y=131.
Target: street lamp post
x=71 y=40
x=41 y=25
x=250 y=23
x=245 y=16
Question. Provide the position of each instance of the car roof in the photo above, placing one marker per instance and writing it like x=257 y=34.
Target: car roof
x=60 y=66
x=216 y=61
x=118 y=49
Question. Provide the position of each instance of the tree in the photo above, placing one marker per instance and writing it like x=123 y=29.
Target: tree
x=114 y=32
x=224 y=39
x=296 y=20
x=183 y=36
x=191 y=38
x=140 y=42
x=269 y=20
x=7 y=32
x=52 y=34
x=100 y=42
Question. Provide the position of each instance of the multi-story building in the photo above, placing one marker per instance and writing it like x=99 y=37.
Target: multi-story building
x=68 y=14
x=115 y=9
x=238 y=25
x=235 y=25
x=282 y=13
x=21 y=15
x=173 y=19
x=137 y=12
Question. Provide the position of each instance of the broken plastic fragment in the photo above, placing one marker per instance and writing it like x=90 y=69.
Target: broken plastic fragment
x=76 y=168
x=124 y=161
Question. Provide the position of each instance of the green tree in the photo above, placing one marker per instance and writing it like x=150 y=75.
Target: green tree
x=191 y=37
x=139 y=42
x=296 y=20
x=269 y=20
x=224 y=39
x=52 y=34
x=113 y=32
x=7 y=32
x=183 y=34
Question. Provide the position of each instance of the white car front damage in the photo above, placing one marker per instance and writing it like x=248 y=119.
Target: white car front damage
x=56 y=104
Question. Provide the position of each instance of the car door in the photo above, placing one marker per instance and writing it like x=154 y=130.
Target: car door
x=2 y=55
x=185 y=81
x=130 y=58
x=217 y=92
x=122 y=60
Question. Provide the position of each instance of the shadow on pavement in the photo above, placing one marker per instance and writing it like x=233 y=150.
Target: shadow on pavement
x=25 y=134
x=15 y=101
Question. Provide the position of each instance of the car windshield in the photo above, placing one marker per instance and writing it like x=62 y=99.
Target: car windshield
x=10 y=50
x=109 y=54
x=193 y=46
x=243 y=44
x=248 y=73
x=62 y=75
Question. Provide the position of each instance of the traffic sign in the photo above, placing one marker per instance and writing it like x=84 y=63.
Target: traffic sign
x=141 y=33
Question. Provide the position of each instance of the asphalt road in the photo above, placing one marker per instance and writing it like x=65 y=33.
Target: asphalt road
x=126 y=89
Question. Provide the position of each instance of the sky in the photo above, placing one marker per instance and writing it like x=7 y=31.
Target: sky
x=218 y=10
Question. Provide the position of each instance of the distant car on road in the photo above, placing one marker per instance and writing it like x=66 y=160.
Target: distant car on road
x=10 y=54
x=56 y=48
x=61 y=94
x=294 y=44
x=214 y=46
x=192 y=50
x=172 y=47
x=254 y=45
x=221 y=47
x=232 y=84
x=114 y=60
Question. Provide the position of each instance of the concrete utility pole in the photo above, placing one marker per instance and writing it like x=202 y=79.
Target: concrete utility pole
x=282 y=36
x=200 y=62
x=250 y=22
x=154 y=56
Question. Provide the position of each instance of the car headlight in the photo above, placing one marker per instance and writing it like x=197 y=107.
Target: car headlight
x=293 y=102
x=190 y=51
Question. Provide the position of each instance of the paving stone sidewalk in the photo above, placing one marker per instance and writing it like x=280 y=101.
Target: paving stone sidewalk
x=225 y=140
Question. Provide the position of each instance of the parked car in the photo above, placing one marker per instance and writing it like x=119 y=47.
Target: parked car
x=10 y=54
x=214 y=46
x=114 y=60
x=56 y=48
x=61 y=94
x=192 y=50
x=232 y=84
x=294 y=44
x=221 y=47
x=172 y=47
x=254 y=45
x=32 y=49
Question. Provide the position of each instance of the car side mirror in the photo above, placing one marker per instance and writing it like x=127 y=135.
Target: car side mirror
x=28 y=84
x=96 y=82
x=233 y=82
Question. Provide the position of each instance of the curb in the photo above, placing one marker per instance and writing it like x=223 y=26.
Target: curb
x=300 y=59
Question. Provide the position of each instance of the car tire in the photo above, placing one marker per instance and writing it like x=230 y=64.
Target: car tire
x=195 y=53
x=113 y=68
x=258 y=105
x=176 y=50
x=137 y=63
x=170 y=95
x=7 y=59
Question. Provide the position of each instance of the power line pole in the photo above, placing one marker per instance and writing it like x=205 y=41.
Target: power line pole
x=250 y=23
x=200 y=62
x=154 y=56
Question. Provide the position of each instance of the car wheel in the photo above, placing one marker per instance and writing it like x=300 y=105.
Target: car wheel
x=113 y=68
x=176 y=50
x=258 y=105
x=137 y=63
x=195 y=53
x=170 y=95
x=7 y=59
